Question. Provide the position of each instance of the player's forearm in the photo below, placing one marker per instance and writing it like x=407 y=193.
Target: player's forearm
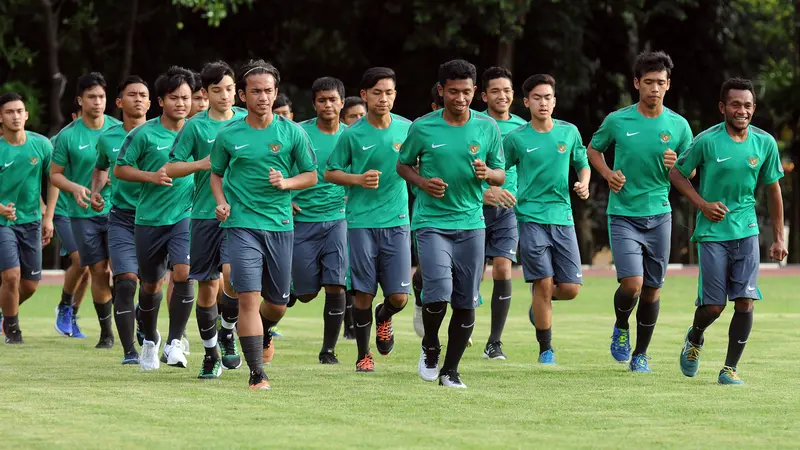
x=52 y=199
x=216 y=189
x=584 y=175
x=684 y=186
x=62 y=183
x=341 y=178
x=302 y=181
x=598 y=161
x=409 y=174
x=130 y=173
x=99 y=179
x=775 y=203
x=182 y=169
x=495 y=177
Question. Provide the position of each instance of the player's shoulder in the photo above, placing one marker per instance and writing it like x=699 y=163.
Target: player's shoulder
x=517 y=132
x=485 y=122
x=231 y=126
x=428 y=119
x=111 y=120
x=622 y=113
x=568 y=127
x=763 y=137
x=711 y=133
x=112 y=131
x=396 y=118
x=144 y=129
x=307 y=124
x=517 y=120
x=67 y=131
x=38 y=139
x=676 y=118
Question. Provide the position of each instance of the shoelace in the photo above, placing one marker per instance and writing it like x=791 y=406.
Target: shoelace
x=208 y=364
x=366 y=362
x=384 y=331
x=640 y=360
x=692 y=353
x=431 y=357
x=229 y=345
x=621 y=340
x=731 y=372
x=454 y=377
x=495 y=346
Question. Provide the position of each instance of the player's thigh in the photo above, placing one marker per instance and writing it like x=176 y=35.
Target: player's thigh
x=657 y=244
x=178 y=243
x=9 y=250
x=305 y=263
x=91 y=236
x=626 y=247
x=435 y=248
x=206 y=238
x=122 y=242
x=712 y=283
x=743 y=272
x=536 y=250
x=566 y=255
x=502 y=235
x=151 y=251
x=63 y=229
x=276 y=280
x=394 y=260
x=334 y=258
x=29 y=243
x=363 y=254
x=468 y=257
x=248 y=266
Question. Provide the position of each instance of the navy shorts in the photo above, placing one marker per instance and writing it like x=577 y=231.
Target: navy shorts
x=728 y=270
x=263 y=262
x=64 y=232
x=206 y=249
x=91 y=235
x=502 y=236
x=452 y=265
x=21 y=246
x=550 y=251
x=640 y=247
x=122 y=241
x=157 y=245
x=380 y=255
x=320 y=256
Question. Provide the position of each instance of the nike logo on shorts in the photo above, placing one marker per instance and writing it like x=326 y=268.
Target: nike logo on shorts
x=285 y=295
x=405 y=284
x=36 y=272
x=513 y=252
x=751 y=288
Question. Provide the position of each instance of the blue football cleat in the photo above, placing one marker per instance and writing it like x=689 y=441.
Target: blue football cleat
x=76 y=330
x=729 y=376
x=547 y=357
x=64 y=320
x=621 y=345
x=690 y=356
x=639 y=364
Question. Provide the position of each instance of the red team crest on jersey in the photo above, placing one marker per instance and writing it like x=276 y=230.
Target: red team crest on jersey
x=665 y=137
x=397 y=146
x=752 y=161
x=562 y=147
x=275 y=147
x=474 y=149
x=34 y=161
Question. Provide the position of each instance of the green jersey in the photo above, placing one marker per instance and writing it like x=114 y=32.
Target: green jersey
x=21 y=170
x=75 y=149
x=324 y=201
x=124 y=194
x=506 y=126
x=363 y=147
x=147 y=148
x=194 y=143
x=62 y=207
x=447 y=152
x=729 y=173
x=639 y=154
x=544 y=160
x=248 y=154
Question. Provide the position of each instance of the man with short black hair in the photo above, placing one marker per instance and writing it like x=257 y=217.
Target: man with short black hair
x=354 y=109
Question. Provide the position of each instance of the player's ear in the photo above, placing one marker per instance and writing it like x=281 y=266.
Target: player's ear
x=363 y=94
x=722 y=108
x=636 y=83
x=554 y=102
x=241 y=95
x=160 y=102
x=80 y=101
x=118 y=102
x=526 y=102
x=484 y=97
x=27 y=115
x=666 y=88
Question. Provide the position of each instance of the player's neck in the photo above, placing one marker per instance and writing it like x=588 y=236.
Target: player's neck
x=737 y=135
x=15 y=138
x=499 y=115
x=220 y=116
x=328 y=126
x=542 y=125
x=456 y=120
x=129 y=123
x=93 y=123
x=260 y=122
x=171 y=124
x=650 y=112
x=379 y=122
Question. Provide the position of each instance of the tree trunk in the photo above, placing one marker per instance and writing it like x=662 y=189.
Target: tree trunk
x=127 y=55
x=505 y=54
x=57 y=80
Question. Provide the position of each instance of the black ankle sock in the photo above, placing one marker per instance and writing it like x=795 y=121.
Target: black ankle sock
x=646 y=318
x=180 y=309
x=362 y=318
x=66 y=299
x=251 y=348
x=462 y=322
x=623 y=307
x=432 y=318
x=543 y=337
x=10 y=324
x=266 y=324
x=333 y=316
x=124 y=316
x=104 y=316
x=738 y=334
x=149 y=304
x=703 y=318
x=501 y=302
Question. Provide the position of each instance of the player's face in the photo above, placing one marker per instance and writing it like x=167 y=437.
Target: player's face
x=379 y=98
x=652 y=87
x=221 y=95
x=541 y=101
x=284 y=111
x=13 y=116
x=135 y=101
x=259 y=94
x=457 y=95
x=93 y=102
x=177 y=103
x=328 y=104
x=354 y=113
x=199 y=103
x=499 y=95
x=738 y=109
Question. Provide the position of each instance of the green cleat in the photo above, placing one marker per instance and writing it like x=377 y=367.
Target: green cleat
x=211 y=368
x=690 y=356
x=231 y=359
x=728 y=375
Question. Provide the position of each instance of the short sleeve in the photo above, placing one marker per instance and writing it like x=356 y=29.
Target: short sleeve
x=131 y=149
x=604 y=136
x=510 y=151
x=494 y=150
x=342 y=155
x=686 y=138
x=579 y=159
x=772 y=169
x=183 y=149
x=220 y=158
x=47 y=156
x=102 y=161
x=692 y=158
x=412 y=147
x=305 y=160
x=61 y=150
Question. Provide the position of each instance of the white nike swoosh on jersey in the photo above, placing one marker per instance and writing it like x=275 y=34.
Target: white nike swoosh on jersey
x=8 y=164
x=632 y=134
x=210 y=140
x=437 y=145
x=163 y=148
x=237 y=147
x=115 y=150
x=531 y=149
x=724 y=159
x=81 y=147
x=405 y=284
x=367 y=148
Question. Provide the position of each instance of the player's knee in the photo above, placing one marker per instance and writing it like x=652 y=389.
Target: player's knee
x=11 y=278
x=363 y=301
x=183 y=289
x=398 y=300
x=545 y=287
x=567 y=291
x=334 y=289
x=501 y=269
x=744 y=305
x=631 y=286
x=75 y=259
x=27 y=288
x=101 y=270
x=271 y=310
x=714 y=310
x=151 y=288
x=180 y=272
x=126 y=276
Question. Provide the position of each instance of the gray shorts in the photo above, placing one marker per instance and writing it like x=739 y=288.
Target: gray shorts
x=502 y=236
x=380 y=255
x=122 y=241
x=91 y=235
x=224 y=254
x=206 y=249
x=21 y=246
x=640 y=247
x=156 y=245
x=263 y=262
x=728 y=270
x=452 y=265
x=320 y=255
x=64 y=232
x=550 y=251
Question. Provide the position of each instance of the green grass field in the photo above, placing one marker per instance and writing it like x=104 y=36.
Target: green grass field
x=62 y=393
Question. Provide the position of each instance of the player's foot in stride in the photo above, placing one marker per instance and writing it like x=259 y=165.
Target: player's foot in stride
x=451 y=379
x=149 y=358
x=13 y=337
x=64 y=320
x=728 y=375
x=130 y=359
x=76 y=330
x=211 y=368
x=621 y=345
x=428 y=367
x=494 y=350
x=384 y=334
x=639 y=364
x=106 y=341
x=259 y=381
x=185 y=342
x=231 y=359
x=690 y=356
x=419 y=328
x=268 y=353
x=326 y=357
x=349 y=333
x=276 y=332
x=365 y=364
x=139 y=332
x=547 y=357
x=174 y=355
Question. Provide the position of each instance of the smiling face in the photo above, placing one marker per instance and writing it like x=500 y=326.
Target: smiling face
x=738 y=109
x=458 y=95
x=498 y=95
x=221 y=95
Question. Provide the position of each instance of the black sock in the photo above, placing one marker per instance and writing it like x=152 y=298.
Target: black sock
x=333 y=315
x=251 y=348
x=623 y=307
x=229 y=310
x=543 y=337
x=387 y=311
x=266 y=324
x=432 y=318
x=416 y=282
x=207 y=325
x=646 y=318
x=180 y=308
x=75 y=310
x=462 y=322
x=66 y=299
x=738 y=333
x=149 y=304
x=501 y=302
x=362 y=318
x=703 y=318
x=104 y=317
x=124 y=315
x=10 y=324
x=348 y=310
